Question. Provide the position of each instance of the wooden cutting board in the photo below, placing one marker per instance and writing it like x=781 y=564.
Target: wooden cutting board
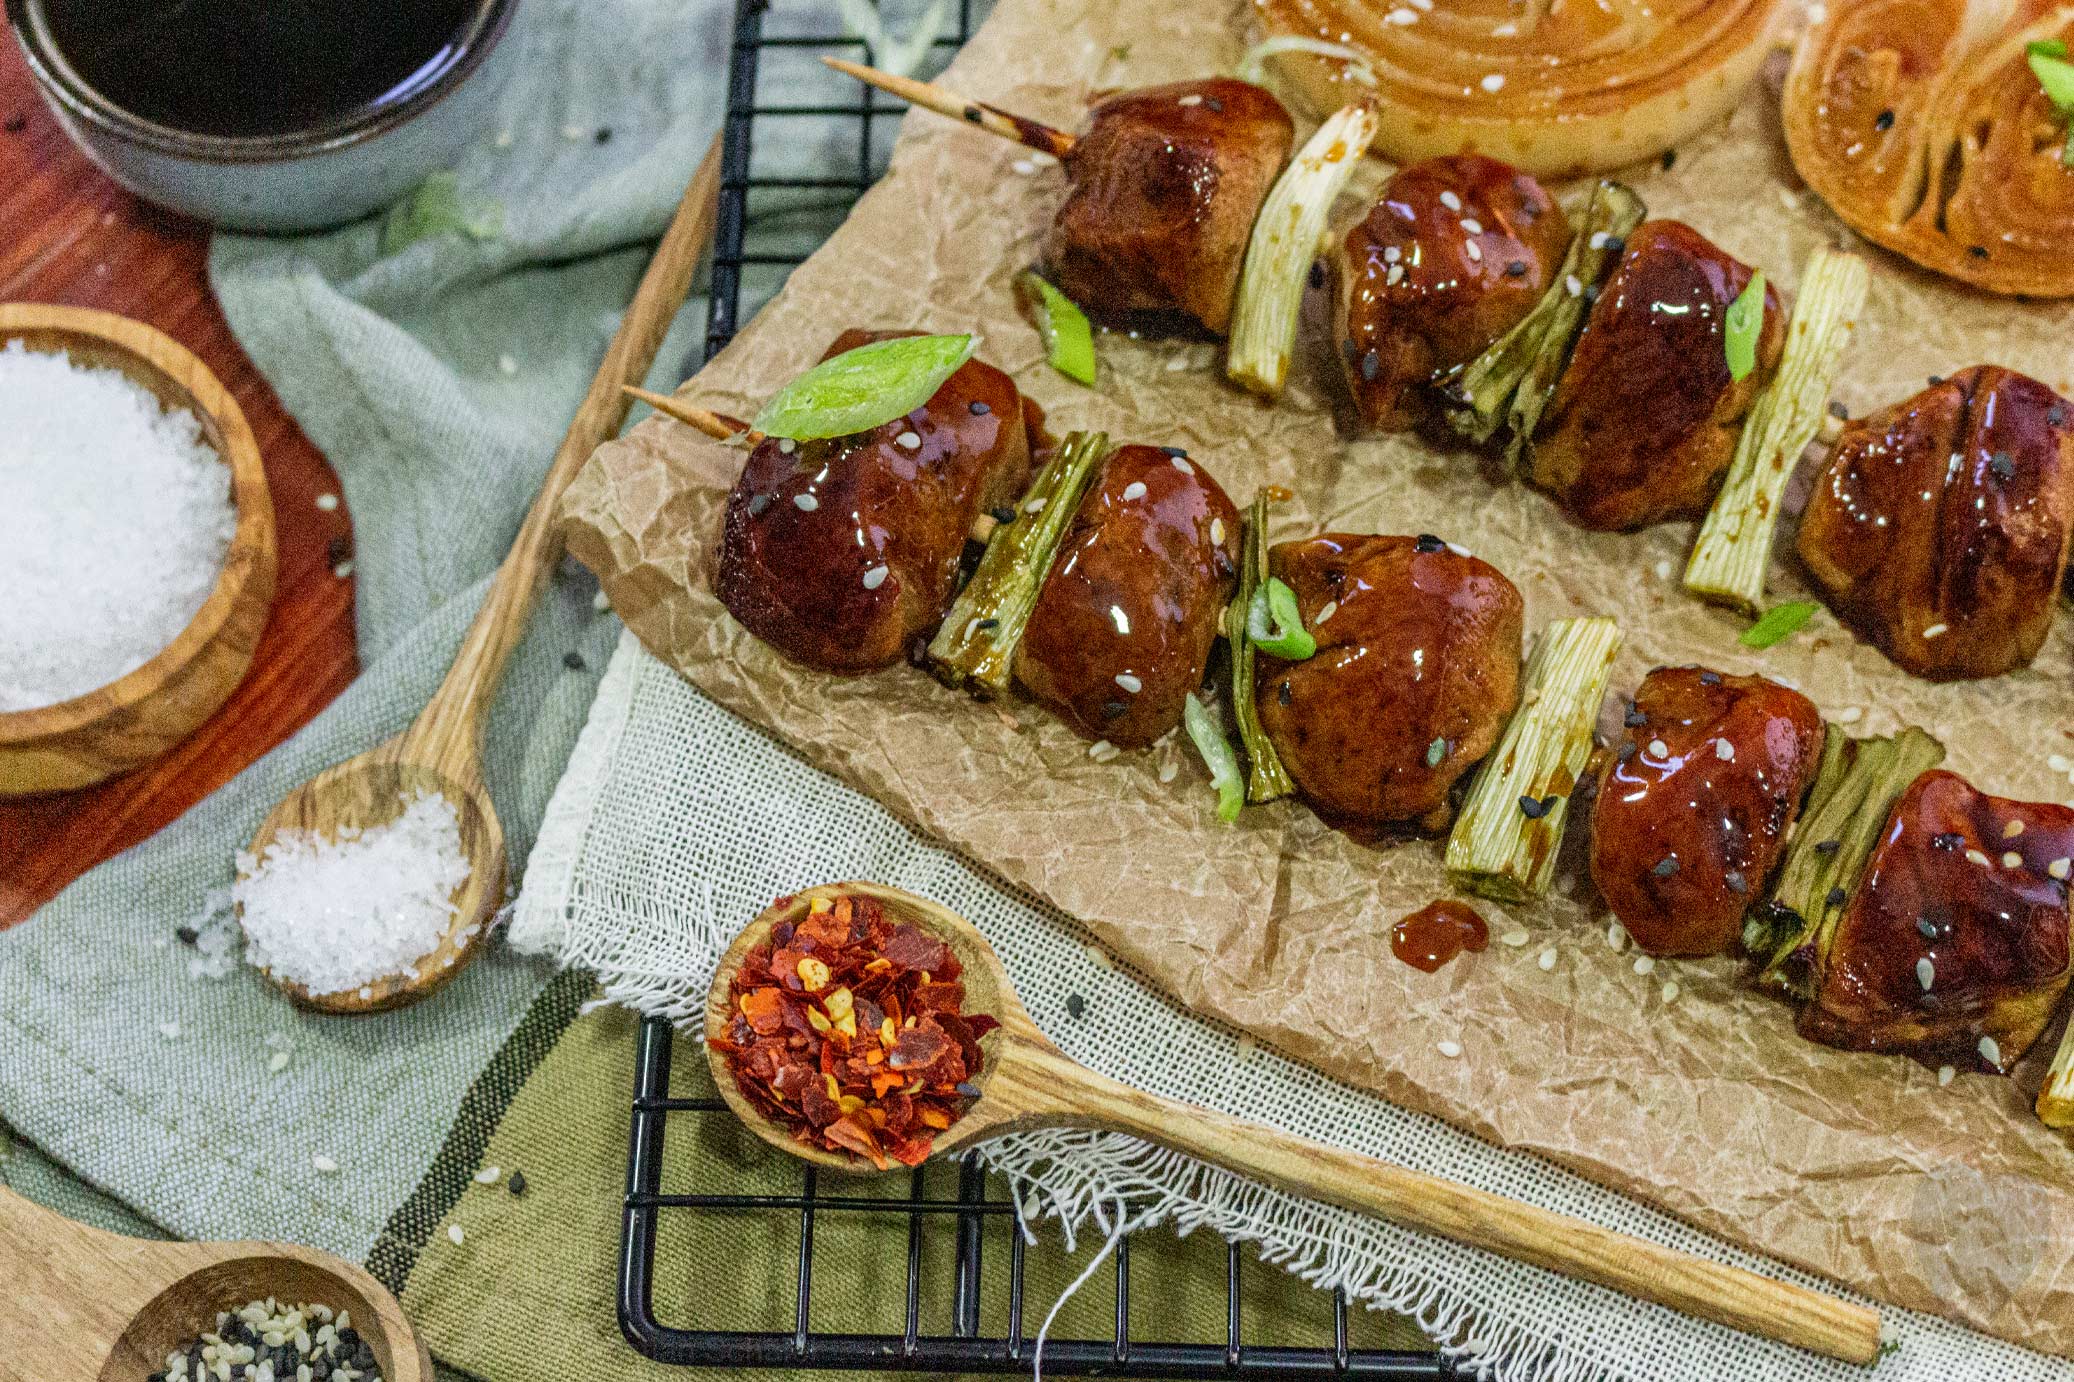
x=69 y=235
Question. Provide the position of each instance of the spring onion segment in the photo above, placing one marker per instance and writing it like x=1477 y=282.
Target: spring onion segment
x=2048 y=60
x=1734 y=550
x=1069 y=342
x=1510 y=384
x=1218 y=757
x=1275 y=625
x=1496 y=849
x=861 y=389
x=1741 y=325
x=1778 y=624
x=1284 y=244
x=975 y=647
x=1268 y=779
x=1253 y=67
x=1856 y=786
x=2056 y=1100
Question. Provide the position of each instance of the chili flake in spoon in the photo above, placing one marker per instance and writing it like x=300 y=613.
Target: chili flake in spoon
x=848 y=1031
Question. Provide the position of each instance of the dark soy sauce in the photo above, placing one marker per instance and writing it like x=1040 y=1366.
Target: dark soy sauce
x=256 y=67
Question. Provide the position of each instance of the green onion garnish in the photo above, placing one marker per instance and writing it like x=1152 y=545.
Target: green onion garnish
x=436 y=207
x=1274 y=604
x=863 y=388
x=1742 y=326
x=1779 y=623
x=1268 y=779
x=2048 y=59
x=1069 y=342
x=1218 y=757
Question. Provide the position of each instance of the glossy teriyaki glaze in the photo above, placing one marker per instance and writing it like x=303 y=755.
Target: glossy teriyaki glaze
x=843 y=554
x=1695 y=802
x=1452 y=256
x=1939 y=530
x=1165 y=186
x=1437 y=934
x=1416 y=673
x=1129 y=611
x=1954 y=946
x=1644 y=421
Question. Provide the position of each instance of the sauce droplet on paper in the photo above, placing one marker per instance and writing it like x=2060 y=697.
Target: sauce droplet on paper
x=1437 y=933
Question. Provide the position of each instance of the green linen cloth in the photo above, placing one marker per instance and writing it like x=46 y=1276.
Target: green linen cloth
x=438 y=380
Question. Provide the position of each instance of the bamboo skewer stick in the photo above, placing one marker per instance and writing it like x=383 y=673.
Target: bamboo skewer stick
x=1013 y=128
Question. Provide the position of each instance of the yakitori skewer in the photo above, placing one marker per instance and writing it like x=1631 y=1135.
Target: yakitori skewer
x=1014 y=128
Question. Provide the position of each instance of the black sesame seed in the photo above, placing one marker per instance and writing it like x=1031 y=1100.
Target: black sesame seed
x=1112 y=709
x=1735 y=880
x=17 y=122
x=1837 y=897
x=1935 y=380
x=1977 y=251
x=1004 y=514
x=1828 y=846
x=1670 y=157
x=1214 y=105
x=188 y=935
x=1838 y=411
x=1615 y=244
x=1317 y=274
x=1348 y=349
x=604 y=134
x=1436 y=752
x=757 y=504
x=988 y=624
x=1428 y=543
x=2056 y=415
x=1591 y=294
x=574 y=661
x=1282 y=694
x=1532 y=808
x=1947 y=840
x=1884 y=121
x=1627 y=750
x=2003 y=466
x=1371 y=365
x=1634 y=718
x=973 y=114
x=967 y=1088
x=979 y=407
x=1175 y=452
x=1075 y=1005
x=517 y=1184
x=1710 y=679
x=338 y=549
x=1666 y=866
x=1927 y=928
x=1516 y=269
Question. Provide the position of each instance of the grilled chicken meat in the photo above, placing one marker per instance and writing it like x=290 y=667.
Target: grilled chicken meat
x=1165 y=185
x=843 y=554
x=1954 y=947
x=1644 y=421
x=1452 y=256
x=1693 y=807
x=1129 y=611
x=1939 y=529
x=1416 y=673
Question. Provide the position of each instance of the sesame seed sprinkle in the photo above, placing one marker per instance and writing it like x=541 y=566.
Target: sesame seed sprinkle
x=1134 y=490
x=1926 y=972
x=1191 y=99
x=875 y=577
x=1659 y=749
x=1547 y=960
x=786 y=446
x=1181 y=464
x=1515 y=938
x=1024 y=167
x=1991 y=1051
x=1102 y=751
x=1326 y=611
x=323 y=1165
x=327 y=502
x=805 y=503
x=1217 y=531
x=1616 y=937
x=1129 y=683
x=1449 y=200
x=1451 y=1049
x=2012 y=860
x=2059 y=869
x=1573 y=285
x=1945 y=1075
x=1471 y=226
x=455 y=1235
x=1670 y=991
x=909 y=440
x=1975 y=856
x=1035 y=505
x=1645 y=964
x=1494 y=82
x=1473 y=250
x=1935 y=631
x=2012 y=830
x=1724 y=751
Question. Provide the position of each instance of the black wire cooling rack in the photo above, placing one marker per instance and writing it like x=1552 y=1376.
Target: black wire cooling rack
x=771 y=218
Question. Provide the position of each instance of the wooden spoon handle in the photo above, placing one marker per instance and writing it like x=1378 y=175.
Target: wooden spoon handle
x=1054 y=1090
x=452 y=722
x=62 y=1283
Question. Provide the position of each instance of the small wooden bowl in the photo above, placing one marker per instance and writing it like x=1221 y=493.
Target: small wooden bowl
x=137 y=718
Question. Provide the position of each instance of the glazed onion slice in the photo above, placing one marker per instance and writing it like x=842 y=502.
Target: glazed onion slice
x=1552 y=87
x=1923 y=126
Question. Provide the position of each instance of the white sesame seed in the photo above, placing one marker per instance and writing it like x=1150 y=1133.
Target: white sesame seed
x=1449 y=200
x=1100 y=957
x=343 y=569
x=1042 y=159
x=1494 y=82
x=277 y=1062
x=1134 y=490
x=1926 y=972
x=1515 y=938
x=506 y=365
x=1191 y=100
x=1659 y=749
x=1129 y=683
x=1944 y=1075
x=1670 y=991
x=1616 y=936
x=1663 y=569
x=1459 y=550
x=1645 y=964
x=786 y=446
x=1036 y=505
x=1724 y=751
x=1391 y=254
x=806 y=503
x=1326 y=611
x=1473 y=250
x=1991 y=1051
x=1181 y=464
x=1400 y=15
x=324 y=1165
x=1548 y=959
x=327 y=502
x=1471 y=226
x=169 y=1030
x=909 y=440
x=1024 y=166
x=1451 y=1049
x=2060 y=763
x=1177 y=364
x=453 y=1232
x=1102 y=750
x=1976 y=857
x=1217 y=531
x=875 y=577
x=1394 y=277
x=489 y=1175
x=2012 y=860
x=1935 y=631
x=601 y=602
x=2060 y=868
x=1849 y=715
x=2012 y=830
x=1169 y=770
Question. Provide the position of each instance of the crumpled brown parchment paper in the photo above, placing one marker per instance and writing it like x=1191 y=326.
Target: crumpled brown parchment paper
x=1861 y=1168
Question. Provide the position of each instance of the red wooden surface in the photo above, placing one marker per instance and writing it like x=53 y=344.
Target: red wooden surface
x=69 y=235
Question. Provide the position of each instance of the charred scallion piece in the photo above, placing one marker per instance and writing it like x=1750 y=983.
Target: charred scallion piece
x=2056 y=1100
x=1497 y=849
x=975 y=647
x=1510 y=383
x=1734 y=550
x=1855 y=788
x=1284 y=245
x=1268 y=778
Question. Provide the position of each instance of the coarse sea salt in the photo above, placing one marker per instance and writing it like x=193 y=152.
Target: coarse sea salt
x=336 y=914
x=115 y=515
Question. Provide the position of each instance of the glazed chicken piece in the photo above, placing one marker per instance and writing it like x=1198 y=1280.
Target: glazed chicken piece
x=1939 y=529
x=1129 y=611
x=1644 y=421
x=843 y=554
x=1954 y=947
x=1416 y=673
x=1165 y=185
x=1453 y=255
x=1693 y=807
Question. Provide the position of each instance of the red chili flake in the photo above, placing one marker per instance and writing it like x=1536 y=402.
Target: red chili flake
x=849 y=1030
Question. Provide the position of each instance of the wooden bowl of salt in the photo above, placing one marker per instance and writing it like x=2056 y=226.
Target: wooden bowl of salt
x=142 y=713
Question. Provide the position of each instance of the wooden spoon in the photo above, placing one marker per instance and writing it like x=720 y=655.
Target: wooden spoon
x=77 y=1297
x=1028 y=1084
x=442 y=750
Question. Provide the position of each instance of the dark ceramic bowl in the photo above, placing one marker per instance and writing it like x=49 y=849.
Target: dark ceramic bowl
x=304 y=179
